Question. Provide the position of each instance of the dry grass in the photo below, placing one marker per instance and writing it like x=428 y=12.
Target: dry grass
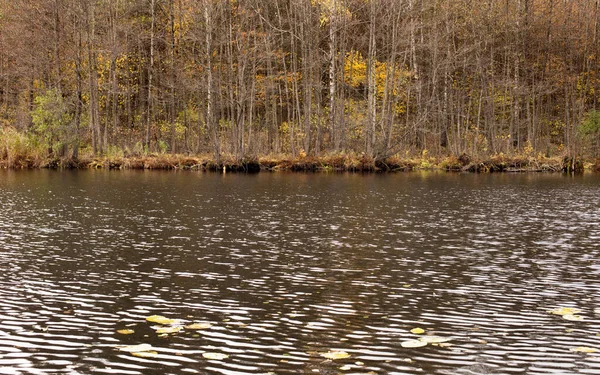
x=20 y=151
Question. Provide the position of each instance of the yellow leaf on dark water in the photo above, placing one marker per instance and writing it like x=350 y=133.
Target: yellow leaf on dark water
x=572 y=317
x=335 y=354
x=125 y=331
x=417 y=331
x=584 y=349
x=215 y=356
x=434 y=339
x=135 y=348
x=168 y=329
x=145 y=354
x=197 y=326
x=162 y=320
x=413 y=343
x=564 y=311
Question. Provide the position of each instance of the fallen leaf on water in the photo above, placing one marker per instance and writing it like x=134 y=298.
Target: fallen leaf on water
x=125 y=331
x=162 y=330
x=162 y=320
x=584 y=349
x=564 y=311
x=199 y=326
x=145 y=354
x=135 y=348
x=572 y=317
x=413 y=343
x=417 y=331
x=346 y=368
x=215 y=356
x=434 y=339
x=335 y=354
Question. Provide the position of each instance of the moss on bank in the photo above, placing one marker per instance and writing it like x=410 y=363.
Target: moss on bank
x=339 y=162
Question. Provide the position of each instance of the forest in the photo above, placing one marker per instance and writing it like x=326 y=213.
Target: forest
x=243 y=79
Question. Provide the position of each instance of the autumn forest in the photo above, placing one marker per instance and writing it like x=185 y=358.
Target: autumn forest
x=249 y=78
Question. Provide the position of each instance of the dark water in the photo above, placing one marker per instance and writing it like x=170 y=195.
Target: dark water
x=288 y=266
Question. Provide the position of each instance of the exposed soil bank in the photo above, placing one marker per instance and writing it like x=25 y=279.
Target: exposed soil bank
x=336 y=162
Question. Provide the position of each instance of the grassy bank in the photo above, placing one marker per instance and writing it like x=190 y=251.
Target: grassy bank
x=24 y=156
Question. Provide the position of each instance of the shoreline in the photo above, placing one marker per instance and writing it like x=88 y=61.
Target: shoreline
x=329 y=163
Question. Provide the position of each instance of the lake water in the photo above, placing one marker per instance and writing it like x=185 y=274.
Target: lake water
x=287 y=267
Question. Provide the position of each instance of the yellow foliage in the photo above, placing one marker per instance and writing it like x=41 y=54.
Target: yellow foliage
x=395 y=77
x=330 y=8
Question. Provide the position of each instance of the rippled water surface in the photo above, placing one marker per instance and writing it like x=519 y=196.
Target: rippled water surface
x=286 y=267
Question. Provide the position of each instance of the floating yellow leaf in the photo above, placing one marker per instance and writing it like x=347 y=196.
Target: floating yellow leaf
x=564 y=311
x=125 y=331
x=168 y=329
x=136 y=348
x=434 y=339
x=572 y=317
x=346 y=368
x=413 y=343
x=162 y=320
x=335 y=354
x=417 y=331
x=145 y=354
x=215 y=356
x=584 y=349
x=199 y=326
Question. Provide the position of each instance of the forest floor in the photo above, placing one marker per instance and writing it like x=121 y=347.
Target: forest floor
x=339 y=162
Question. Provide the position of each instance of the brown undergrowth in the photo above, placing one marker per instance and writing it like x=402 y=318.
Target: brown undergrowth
x=20 y=154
